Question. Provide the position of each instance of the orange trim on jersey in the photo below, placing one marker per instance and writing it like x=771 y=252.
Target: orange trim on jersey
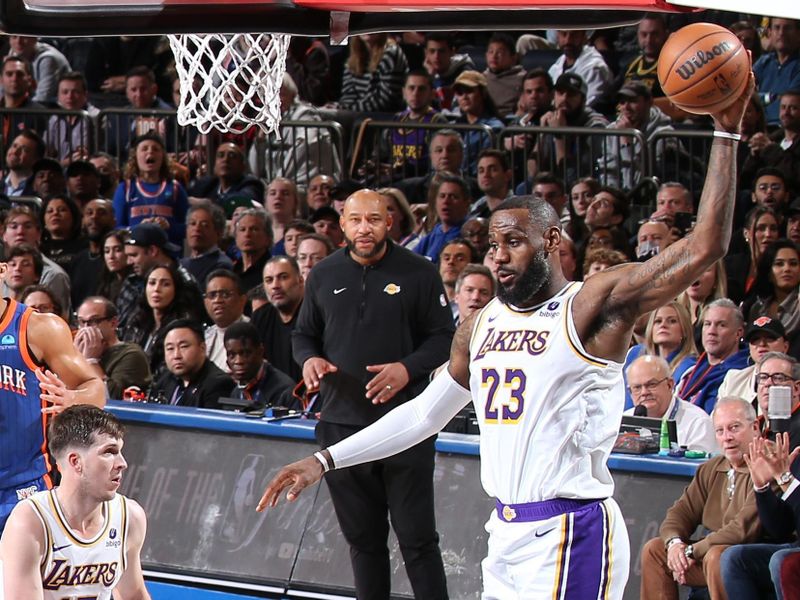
x=8 y=314
x=27 y=356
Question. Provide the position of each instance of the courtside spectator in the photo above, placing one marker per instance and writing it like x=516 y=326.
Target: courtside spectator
x=476 y=108
x=452 y=206
x=444 y=65
x=257 y=381
x=298 y=153
x=22 y=227
x=456 y=254
x=150 y=193
x=326 y=222
x=48 y=179
x=83 y=182
x=88 y=265
x=569 y=156
x=47 y=64
x=24 y=270
x=230 y=179
x=119 y=364
x=311 y=249
x=296 y=229
x=474 y=289
x=284 y=287
x=253 y=235
x=778 y=70
x=722 y=329
x=651 y=385
x=25 y=150
x=225 y=302
x=761 y=336
x=71 y=137
x=584 y=60
x=205 y=226
x=503 y=73
x=374 y=74
x=781 y=149
x=18 y=88
x=720 y=499
x=192 y=379
x=494 y=180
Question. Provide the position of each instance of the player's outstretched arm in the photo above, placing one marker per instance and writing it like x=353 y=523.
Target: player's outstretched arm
x=21 y=550
x=70 y=380
x=403 y=427
x=647 y=286
x=131 y=585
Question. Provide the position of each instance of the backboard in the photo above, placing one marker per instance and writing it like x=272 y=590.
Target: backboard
x=312 y=17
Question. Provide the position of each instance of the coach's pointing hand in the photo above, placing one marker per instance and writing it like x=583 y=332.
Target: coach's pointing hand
x=296 y=476
x=314 y=369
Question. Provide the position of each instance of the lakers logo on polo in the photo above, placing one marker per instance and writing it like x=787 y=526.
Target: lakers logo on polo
x=392 y=289
x=509 y=514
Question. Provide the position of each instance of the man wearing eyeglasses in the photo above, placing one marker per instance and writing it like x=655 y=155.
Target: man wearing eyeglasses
x=763 y=335
x=225 y=301
x=119 y=364
x=205 y=226
x=720 y=499
x=777 y=368
x=651 y=387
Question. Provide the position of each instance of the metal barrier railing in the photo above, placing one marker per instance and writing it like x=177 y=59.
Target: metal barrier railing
x=382 y=157
x=120 y=126
x=682 y=158
x=304 y=150
x=616 y=157
x=67 y=134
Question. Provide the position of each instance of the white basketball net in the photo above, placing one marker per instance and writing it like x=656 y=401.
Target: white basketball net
x=230 y=81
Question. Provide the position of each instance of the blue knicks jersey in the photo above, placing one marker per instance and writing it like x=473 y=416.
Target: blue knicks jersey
x=22 y=425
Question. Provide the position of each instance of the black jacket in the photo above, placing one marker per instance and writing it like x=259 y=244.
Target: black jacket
x=354 y=316
x=204 y=391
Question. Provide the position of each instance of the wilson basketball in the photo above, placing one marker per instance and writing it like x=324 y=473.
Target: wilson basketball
x=703 y=68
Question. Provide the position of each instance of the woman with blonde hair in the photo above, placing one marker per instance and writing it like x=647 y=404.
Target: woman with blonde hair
x=669 y=335
x=374 y=75
x=403 y=230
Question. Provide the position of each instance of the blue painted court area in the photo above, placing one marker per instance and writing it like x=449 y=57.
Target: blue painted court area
x=171 y=591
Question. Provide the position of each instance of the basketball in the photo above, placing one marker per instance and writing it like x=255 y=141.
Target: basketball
x=703 y=68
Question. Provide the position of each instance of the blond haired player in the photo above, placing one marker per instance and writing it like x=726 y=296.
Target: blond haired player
x=81 y=539
x=542 y=364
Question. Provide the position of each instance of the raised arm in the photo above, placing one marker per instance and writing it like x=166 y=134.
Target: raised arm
x=624 y=293
x=403 y=427
x=72 y=380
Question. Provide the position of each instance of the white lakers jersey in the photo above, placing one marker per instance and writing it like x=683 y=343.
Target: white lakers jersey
x=76 y=568
x=548 y=411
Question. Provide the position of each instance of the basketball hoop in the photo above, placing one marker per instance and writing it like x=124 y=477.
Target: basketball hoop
x=229 y=82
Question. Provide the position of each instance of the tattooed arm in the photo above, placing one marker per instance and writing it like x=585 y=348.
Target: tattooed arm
x=610 y=302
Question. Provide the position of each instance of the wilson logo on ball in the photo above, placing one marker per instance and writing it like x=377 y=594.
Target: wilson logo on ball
x=701 y=59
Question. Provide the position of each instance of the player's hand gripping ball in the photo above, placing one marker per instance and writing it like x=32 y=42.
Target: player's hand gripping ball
x=703 y=68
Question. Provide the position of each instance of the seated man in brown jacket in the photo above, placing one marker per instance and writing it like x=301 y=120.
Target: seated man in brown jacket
x=719 y=499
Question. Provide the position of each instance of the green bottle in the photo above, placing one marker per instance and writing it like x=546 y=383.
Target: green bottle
x=663 y=444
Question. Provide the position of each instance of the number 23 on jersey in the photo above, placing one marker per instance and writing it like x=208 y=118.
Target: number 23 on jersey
x=505 y=395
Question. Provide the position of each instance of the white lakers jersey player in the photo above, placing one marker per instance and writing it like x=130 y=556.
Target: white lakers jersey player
x=548 y=411
x=74 y=567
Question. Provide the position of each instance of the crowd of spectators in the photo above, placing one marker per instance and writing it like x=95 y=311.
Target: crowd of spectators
x=180 y=259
